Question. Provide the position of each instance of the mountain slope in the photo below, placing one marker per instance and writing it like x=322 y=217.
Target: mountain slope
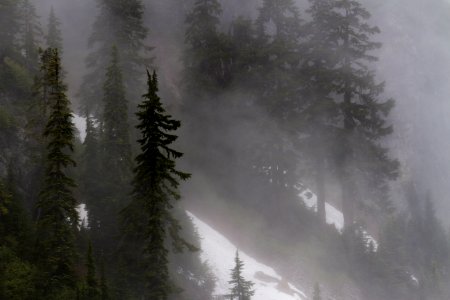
x=220 y=252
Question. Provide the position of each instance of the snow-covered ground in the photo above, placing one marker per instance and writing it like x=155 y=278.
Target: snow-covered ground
x=80 y=124
x=334 y=216
x=220 y=253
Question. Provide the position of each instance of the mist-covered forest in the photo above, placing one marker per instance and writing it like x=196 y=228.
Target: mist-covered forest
x=224 y=149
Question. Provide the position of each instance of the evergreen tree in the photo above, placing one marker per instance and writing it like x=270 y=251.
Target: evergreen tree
x=148 y=217
x=109 y=193
x=318 y=109
x=278 y=33
x=432 y=257
x=53 y=37
x=15 y=230
x=279 y=29
x=92 y=289
x=207 y=59
x=189 y=273
x=317 y=293
x=245 y=54
x=363 y=164
x=90 y=172
x=241 y=289
x=30 y=35
x=104 y=295
x=9 y=27
x=120 y=23
x=116 y=149
x=57 y=218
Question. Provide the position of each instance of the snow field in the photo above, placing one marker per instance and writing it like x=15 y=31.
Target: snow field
x=219 y=252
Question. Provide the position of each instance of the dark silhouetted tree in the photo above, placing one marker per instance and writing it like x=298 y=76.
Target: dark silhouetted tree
x=92 y=289
x=148 y=217
x=58 y=217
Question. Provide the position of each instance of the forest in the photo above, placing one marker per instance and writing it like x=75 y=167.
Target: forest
x=303 y=132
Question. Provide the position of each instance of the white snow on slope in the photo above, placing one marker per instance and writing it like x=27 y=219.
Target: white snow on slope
x=334 y=216
x=220 y=253
x=80 y=124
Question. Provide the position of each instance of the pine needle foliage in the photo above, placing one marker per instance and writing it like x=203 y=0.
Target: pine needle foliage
x=58 y=217
x=155 y=185
x=241 y=289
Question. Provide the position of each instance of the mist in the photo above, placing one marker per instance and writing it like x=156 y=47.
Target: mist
x=269 y=177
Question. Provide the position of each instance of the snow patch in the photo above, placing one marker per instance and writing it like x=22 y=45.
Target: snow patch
x=219 y=252
x=371 y=242
x=334 y=216
x=83 y=215
x=80 y=124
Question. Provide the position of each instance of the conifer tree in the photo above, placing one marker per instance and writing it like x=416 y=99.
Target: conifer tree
x=109 y=192
x=148 y=217
x=116 y=149
x=30 y=35
x=120 y=23
x=104 y=295
x=241 y=289
x=9 y=27
x=278 y=33
x=362 y=163
x=245 y=53
x=318 y=108
x=279 y=29
x=58 y=218
x=37 y=113
x=317 y=293
x=92 y=289
x=208 y=54
x=53 y=37
x=90 y=172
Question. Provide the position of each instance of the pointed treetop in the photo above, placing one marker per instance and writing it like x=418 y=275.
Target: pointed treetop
x=53 y=37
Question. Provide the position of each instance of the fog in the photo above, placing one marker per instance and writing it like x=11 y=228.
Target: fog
x=414 y=63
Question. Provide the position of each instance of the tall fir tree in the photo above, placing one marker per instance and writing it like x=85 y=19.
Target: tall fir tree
x=53 y=37
x=37 y=114
x=241 y=289
x=207 y=57
x=30 y=35
x=58 y=217
x=91 y=291
x=363 y=159
x=148 y=217
x=109 y=193
x=318 y=110
x=362 y=163
x=90 y=171
x=279 y=29
x=278 y=34
x=104 y=294
x=9 y=27
x=116 y=149
x=120 y=23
